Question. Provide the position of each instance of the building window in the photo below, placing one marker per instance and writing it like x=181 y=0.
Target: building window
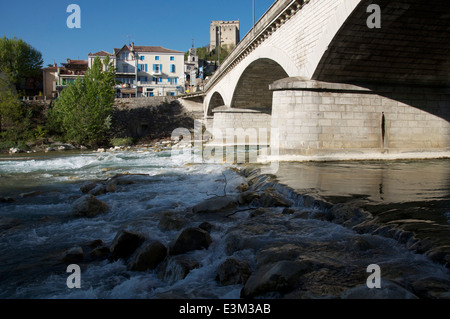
x=126 y=80
x=142 y=67
x=142 y=79
x=172 y=58
x=157 y=58
x=157 y=68
x=172 y=68
x=142 y=58
x=124 y=55
x=125 y=68
x=172 y=80
x=160 y=80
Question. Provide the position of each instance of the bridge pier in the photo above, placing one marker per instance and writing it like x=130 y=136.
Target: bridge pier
x=316 y=118
x=241 y=126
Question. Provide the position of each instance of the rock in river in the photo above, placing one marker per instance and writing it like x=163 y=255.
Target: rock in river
x=73 y=255
x=125 y=243
x=215 y=204
x=88 y=206
x=233 y=271
x=192 y=238
x=148 y=256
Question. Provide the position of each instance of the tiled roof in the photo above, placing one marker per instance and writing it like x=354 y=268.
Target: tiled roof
x=81 y=62
x=100 y=53
x=51 y=68
x=142 y=48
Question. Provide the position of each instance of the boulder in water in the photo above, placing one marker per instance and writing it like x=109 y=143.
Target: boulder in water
x=268 y=198
x=247 y=197
x=169 y=221
x=281 y=276
x=73 y=255
x=98 y=190
x=192 y=238
x=233 y=271
x=177 y=268
x=148 y=256
x=88 y=206
x=206 y=226
x=125 y=243
x=87 y=187
x=216 y=204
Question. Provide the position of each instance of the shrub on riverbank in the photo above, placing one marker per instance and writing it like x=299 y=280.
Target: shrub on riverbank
x=125 y=141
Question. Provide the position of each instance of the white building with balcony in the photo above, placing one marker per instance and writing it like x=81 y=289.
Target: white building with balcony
x=149 y=71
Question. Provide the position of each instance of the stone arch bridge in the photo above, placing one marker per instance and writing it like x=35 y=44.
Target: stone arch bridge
x=315 y=73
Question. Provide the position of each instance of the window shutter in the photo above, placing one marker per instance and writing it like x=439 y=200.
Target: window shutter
x=175 y=80
x=160 y=68
x=145 y=67
x=154 y=67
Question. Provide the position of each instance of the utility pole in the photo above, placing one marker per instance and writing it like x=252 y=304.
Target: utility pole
x=253 y=17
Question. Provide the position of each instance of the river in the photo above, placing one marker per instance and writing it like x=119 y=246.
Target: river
x=37 y=192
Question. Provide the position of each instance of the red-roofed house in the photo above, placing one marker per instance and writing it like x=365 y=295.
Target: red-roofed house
x=56 y=78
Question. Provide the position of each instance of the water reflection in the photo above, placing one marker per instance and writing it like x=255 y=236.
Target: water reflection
x=386 y=182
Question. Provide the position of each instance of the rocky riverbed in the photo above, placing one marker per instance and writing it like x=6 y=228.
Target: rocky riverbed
x=267 y=242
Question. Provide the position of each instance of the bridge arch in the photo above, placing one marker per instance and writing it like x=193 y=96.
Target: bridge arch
x=215 y=101
x=252 y=88
x=214 y=98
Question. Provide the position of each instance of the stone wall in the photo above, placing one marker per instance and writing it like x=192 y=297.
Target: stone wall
x=233 y=125
x=149 y=118
x=316 y=118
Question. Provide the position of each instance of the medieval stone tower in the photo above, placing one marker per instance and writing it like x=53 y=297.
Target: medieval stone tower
x=224 y=32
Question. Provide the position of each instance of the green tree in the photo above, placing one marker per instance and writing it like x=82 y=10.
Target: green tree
x=11 y=112
x=19 y=60
x=83 y=111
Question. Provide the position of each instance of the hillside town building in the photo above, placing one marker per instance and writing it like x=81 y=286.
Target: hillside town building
x=141 y=71
x=56 y=78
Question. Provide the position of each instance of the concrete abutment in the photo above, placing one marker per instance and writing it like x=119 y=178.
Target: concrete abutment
x=325 y=119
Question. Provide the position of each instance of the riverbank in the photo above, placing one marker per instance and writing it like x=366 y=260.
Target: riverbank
x=135 y=124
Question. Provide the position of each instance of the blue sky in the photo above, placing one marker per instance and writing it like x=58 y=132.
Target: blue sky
x=106 y=24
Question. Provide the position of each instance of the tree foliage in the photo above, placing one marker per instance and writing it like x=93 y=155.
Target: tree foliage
x=11 y=112
x=83 y=111
x=19 y=60
x=204 y=54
